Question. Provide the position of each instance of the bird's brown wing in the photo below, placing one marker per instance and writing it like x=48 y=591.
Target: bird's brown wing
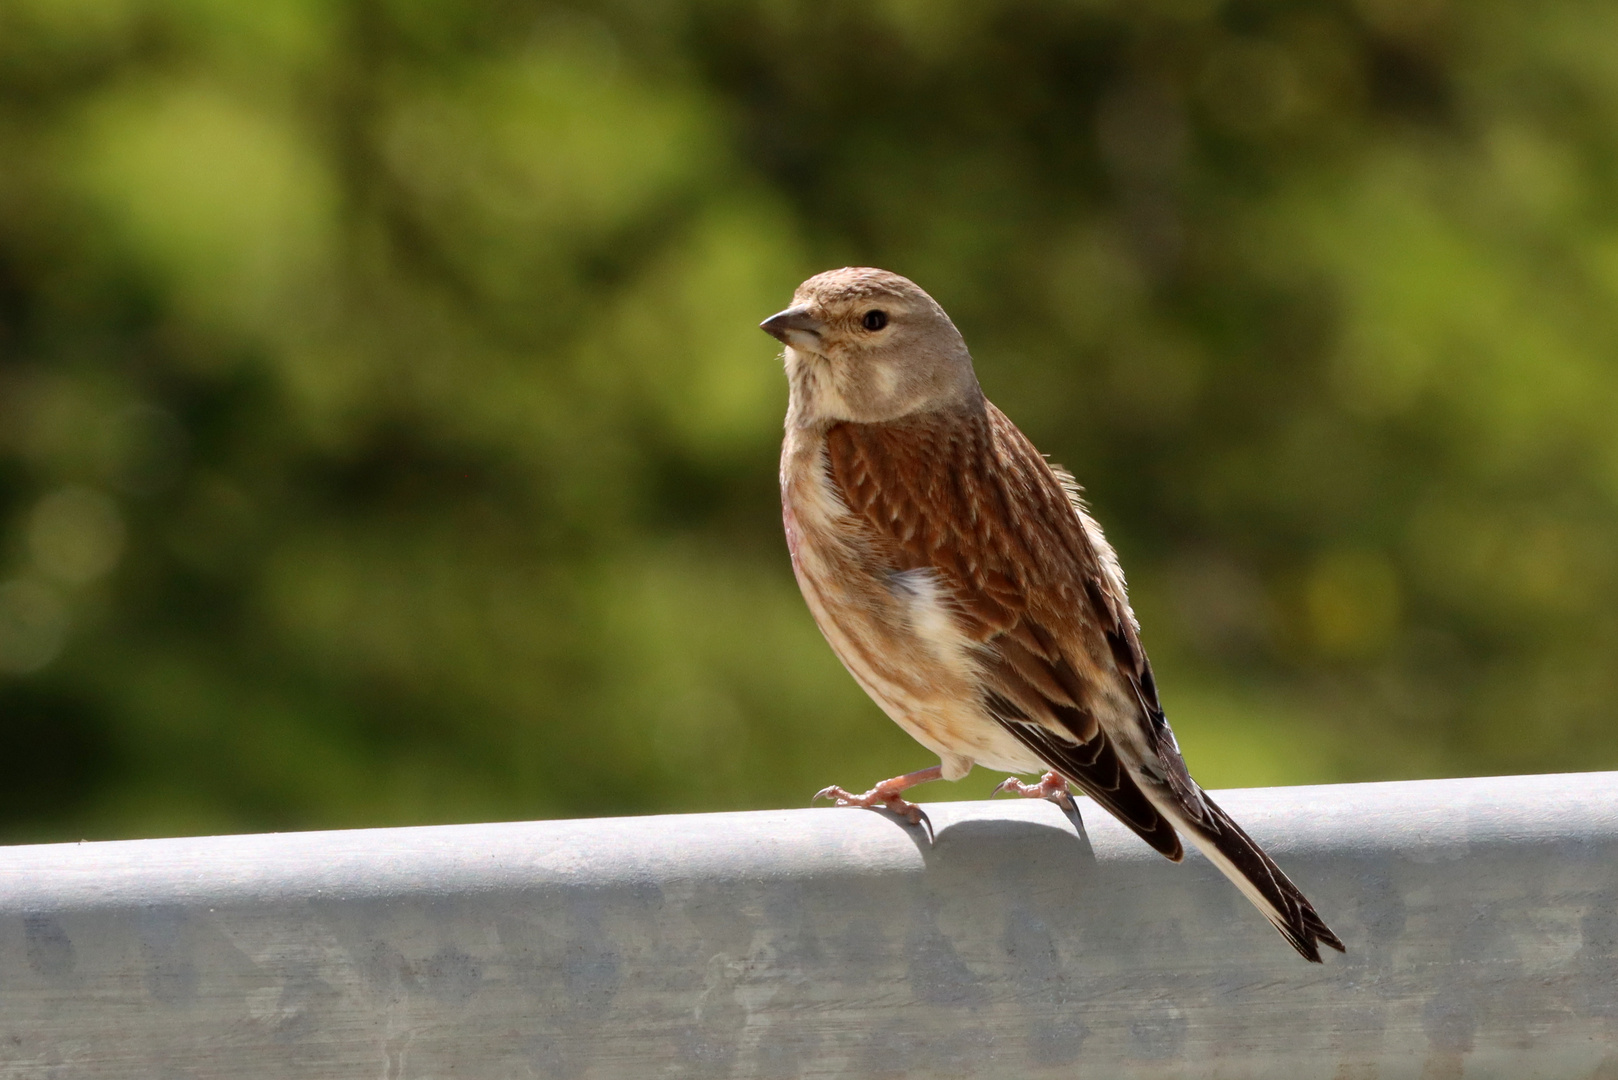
x=969 y=498
x=960 y=497
x=1209 y=827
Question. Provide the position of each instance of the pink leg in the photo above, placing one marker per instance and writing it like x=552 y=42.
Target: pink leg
x=1050 y=787
x=886 y=794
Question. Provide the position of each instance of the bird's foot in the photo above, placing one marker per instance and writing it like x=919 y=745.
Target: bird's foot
x=1050 y=786
x=875 y=799
x=887 y=796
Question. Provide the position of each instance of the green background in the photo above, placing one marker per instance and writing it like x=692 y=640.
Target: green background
x=386 y=437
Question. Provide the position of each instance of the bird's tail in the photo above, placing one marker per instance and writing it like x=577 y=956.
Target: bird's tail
x=1228 y=847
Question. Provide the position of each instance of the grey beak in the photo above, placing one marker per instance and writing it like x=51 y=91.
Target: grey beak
x=795 y=318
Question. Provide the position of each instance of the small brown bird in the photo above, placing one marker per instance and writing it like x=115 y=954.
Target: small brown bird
x=960 y=580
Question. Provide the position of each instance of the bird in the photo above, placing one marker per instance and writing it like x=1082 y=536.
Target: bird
x=961 y=580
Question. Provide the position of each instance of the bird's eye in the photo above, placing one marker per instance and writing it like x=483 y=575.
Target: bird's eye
x=874 y=320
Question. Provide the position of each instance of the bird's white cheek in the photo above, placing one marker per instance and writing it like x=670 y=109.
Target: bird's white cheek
x=886 y=378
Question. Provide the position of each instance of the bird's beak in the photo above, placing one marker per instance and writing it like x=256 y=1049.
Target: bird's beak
x=796 y=326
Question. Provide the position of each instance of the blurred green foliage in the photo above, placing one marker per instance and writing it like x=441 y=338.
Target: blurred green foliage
x=385 y=436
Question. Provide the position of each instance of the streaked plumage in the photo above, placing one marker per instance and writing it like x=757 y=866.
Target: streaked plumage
x=960 y=580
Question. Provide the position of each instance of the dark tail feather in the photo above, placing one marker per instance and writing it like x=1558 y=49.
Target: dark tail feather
x=1093 y=767
x=1260 y=880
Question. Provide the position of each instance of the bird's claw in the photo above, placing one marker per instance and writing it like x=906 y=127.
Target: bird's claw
x=878 y=799
x=1051 y=786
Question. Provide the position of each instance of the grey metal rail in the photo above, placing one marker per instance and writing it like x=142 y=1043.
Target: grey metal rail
x=1481 y=918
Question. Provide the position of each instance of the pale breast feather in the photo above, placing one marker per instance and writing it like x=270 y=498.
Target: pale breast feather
x=897 y=631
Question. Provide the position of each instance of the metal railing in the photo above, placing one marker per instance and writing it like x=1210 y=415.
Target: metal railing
x=1481 y=918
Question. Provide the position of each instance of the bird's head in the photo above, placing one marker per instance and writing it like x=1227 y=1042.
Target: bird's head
x=870 y=346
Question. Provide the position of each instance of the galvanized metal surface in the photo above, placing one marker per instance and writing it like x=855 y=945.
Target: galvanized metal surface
x=1481 y=918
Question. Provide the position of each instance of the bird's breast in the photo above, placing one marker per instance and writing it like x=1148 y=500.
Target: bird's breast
x=894 y=630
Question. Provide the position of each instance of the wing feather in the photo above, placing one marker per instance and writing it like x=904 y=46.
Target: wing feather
x=1031 y=673
x=1037 y=589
